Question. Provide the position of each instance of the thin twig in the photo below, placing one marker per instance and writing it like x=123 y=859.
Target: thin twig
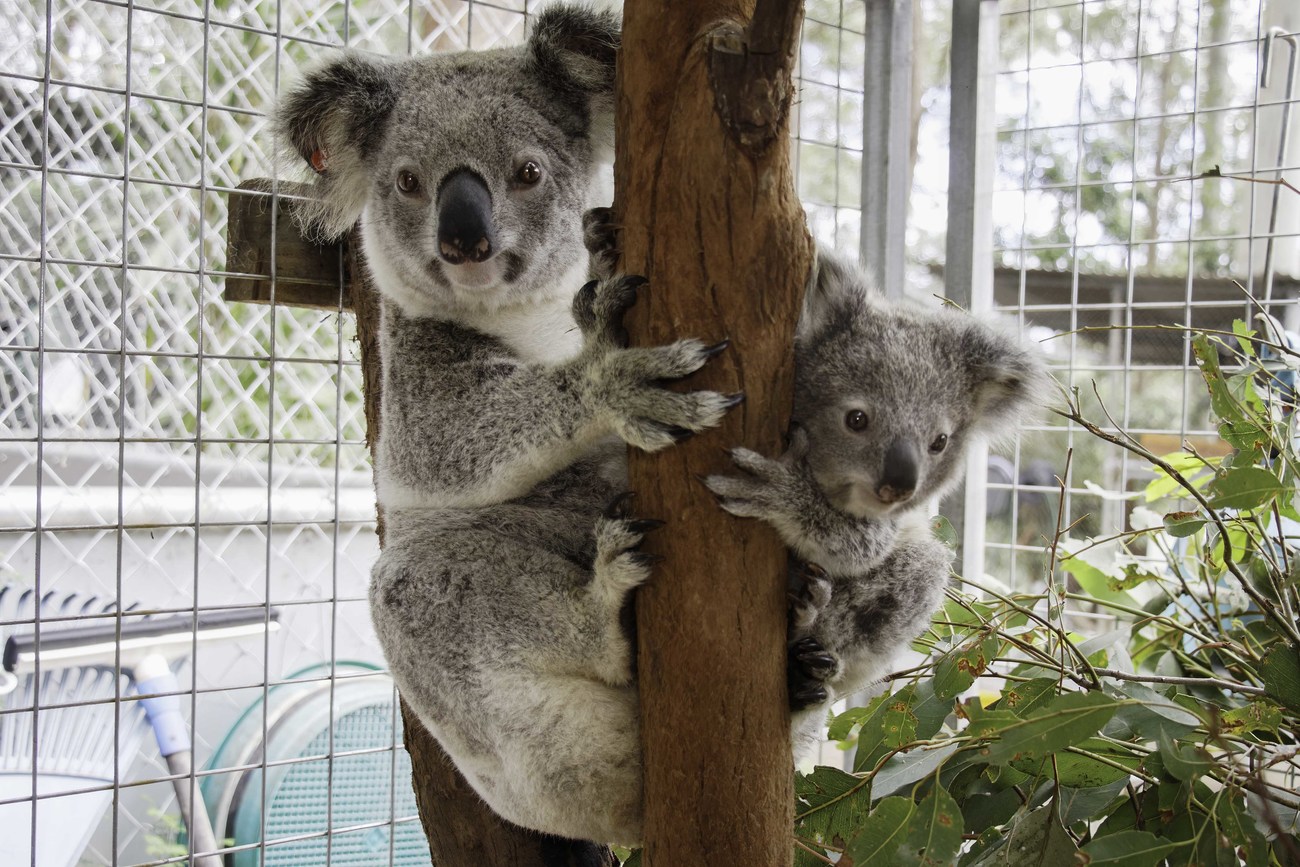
x=1183 y=681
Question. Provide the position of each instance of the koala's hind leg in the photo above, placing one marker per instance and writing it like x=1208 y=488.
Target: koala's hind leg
x=619 y=567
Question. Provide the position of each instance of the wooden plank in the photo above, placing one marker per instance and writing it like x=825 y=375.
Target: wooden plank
x=261 y=232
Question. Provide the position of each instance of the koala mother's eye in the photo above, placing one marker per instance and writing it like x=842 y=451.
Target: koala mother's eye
x=939 y=444
x=529 y=173
x=408 y=183
x=855 y=420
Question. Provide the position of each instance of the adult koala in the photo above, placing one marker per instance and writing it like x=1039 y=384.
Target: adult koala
x=508 y=397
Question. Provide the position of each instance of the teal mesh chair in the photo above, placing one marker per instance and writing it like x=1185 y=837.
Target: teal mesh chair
x=311 y=802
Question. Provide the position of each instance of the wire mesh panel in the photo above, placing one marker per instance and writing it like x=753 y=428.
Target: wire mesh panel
x=180 y=458
x=1111 y=235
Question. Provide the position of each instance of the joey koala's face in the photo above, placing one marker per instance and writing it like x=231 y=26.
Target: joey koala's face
x=891 y=393
x=469 y=172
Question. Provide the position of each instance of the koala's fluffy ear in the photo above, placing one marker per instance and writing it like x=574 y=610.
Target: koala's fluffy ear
x=333 y=119
x=836 y=291
x=574 y=49
x=1009 y=377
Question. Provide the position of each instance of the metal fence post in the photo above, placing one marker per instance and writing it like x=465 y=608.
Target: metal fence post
x=886 y=141
x=968 y=270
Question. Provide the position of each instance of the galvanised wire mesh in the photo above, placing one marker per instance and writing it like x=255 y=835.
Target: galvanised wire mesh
x=1108 y=116
x=167 y=452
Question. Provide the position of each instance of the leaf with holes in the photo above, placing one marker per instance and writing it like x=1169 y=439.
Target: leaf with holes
x=1183 y=524
x=1034 y=839
x=957 y=670
x=1281 y=674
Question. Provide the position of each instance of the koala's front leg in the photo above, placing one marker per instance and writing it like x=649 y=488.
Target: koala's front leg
x=623 y=386
x=784 y=494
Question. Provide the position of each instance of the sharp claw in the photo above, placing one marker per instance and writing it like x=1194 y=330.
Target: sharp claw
x=813 y=571
x=806 y=645
x=807 y=696
x=680 y=434
x=817 y=662
x=617 y=507
x=635 y=281
x=734 y=400
x=717 y=348
x=645 y=525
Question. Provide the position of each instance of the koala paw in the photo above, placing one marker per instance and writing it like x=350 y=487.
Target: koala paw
x=620 y=566
x=771 y=490
x=809 y=599
x=600 y=305
x=809 y=667
x=600 y=234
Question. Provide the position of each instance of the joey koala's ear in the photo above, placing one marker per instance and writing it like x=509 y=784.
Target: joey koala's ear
x=836 y=291
x=574 y=48
x=1008 y=376
x=334 y=119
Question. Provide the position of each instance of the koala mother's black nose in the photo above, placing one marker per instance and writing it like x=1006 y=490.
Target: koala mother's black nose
x=465 y=232
x=899 y=475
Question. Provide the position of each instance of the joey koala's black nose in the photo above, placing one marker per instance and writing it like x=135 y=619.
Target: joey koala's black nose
x=465 y=232
x=901 y=470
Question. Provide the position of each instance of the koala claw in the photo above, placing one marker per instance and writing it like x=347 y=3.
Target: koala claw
x=619 y=564
x=809 y=600
x=809 y=667
x=617 y=507
x=717 y=348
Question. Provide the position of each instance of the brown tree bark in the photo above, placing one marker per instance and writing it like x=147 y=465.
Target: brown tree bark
x=461 y=829
x=705 y=193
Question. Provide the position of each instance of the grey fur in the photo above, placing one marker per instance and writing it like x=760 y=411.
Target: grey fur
x=916 y=373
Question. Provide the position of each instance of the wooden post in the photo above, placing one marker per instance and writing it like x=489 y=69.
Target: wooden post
x=705 y=193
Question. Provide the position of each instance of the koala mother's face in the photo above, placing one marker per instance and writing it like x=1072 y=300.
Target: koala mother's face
x=478 y=189
x=469 y=172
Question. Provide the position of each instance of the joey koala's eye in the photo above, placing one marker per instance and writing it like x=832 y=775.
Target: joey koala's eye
x=408 y=183
x=939 y=444
x=529 y=173
x=855 y=420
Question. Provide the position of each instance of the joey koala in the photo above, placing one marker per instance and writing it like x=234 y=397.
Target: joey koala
x=509 y=396
x=888 y=396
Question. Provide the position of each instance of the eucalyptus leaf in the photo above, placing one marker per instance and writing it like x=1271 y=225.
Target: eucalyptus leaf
x=882 y=834
x=1033 y=839
x=1281 y=674
x=1244 y=488
x=933 y=832
x=1128 y=849
x=1184 y=762
x=1183 y=524
x=908 y=768
x=1065 y=721
x=1258 y=716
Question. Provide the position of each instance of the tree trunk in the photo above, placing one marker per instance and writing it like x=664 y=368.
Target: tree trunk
x=461 y=829
x=706 y=198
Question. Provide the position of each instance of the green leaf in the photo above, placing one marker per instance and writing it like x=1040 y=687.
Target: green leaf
x=1065 y=721
x=1281 y=674
x=933 y=832
x=836 y=803
x=1255 y=717
x=943 y=530
x=1186 y=763
x=1035 y=839
x=1023 y=697
x=1239 y=826
x=1148 y=714
x=1079 y=771
x=1128 y=849
x=634 y=859
x=882 y=834
x=930 y=710
x=957 y=670
x=841 y=727
x=1244 y=488
x=907 y=768
x=1183 y=524
x=1077 y=805
x=1221 y=399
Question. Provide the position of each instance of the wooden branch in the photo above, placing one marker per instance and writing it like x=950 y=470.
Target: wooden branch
x=706 y=195
x=461 y=830
x=261 y=235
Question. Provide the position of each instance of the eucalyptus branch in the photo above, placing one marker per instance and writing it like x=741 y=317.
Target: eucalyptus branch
x=1265 y=606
